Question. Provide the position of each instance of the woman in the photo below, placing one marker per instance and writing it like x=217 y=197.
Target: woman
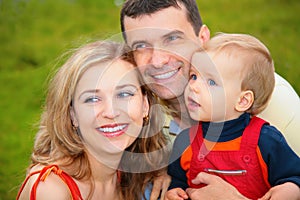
x=97 y=130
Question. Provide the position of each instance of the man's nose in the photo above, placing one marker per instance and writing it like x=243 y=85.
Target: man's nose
x=159 y=58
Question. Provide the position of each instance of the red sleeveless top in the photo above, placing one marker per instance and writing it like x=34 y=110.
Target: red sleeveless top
x=43 y=174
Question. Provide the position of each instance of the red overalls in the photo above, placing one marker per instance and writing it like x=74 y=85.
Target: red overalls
x=243 y=165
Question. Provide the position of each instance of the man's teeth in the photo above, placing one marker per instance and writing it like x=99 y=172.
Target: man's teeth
x=112 y=129
x=166 y=75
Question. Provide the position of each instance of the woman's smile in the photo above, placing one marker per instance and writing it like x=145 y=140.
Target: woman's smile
x=113 y=130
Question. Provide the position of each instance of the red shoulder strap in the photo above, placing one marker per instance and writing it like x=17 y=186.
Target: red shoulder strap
x=251 y=134
x=24 y=183
x=44 y=173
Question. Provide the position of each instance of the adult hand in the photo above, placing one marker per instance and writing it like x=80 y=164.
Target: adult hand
x=176 y=194
x=216 y=189
x=284 y=191
x=160 y=186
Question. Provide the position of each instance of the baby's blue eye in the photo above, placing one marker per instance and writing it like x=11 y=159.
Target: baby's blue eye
x=211 y=82
x=193 y=77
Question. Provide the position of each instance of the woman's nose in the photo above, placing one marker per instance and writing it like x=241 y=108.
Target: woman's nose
x=109 y=110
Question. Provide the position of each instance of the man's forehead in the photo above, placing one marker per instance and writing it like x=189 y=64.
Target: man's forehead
x=156 y=24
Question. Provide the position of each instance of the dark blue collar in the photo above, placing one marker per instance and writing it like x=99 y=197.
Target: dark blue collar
x=225 y=131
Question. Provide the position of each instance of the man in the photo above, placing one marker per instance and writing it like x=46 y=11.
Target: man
x=163 y=35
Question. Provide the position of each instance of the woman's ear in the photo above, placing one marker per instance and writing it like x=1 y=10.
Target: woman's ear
x=146 y=106
x=245 y=101
x=73 y=117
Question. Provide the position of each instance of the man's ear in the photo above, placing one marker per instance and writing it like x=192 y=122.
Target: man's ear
x=73 y=117
x=245 y=101
x=204 y=34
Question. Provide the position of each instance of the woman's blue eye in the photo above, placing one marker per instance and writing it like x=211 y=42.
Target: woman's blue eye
x=92 y=100
x=211 y=82
x=125 y=94
x=193 y=77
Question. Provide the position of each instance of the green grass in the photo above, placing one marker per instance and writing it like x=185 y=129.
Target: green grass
x=34 y=33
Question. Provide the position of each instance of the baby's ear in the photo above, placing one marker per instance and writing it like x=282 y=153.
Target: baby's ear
x=245 y=101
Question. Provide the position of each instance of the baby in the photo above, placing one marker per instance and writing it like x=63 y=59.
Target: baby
x=231 y=81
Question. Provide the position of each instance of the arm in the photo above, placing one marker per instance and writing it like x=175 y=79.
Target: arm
x=160 y=186
x=176 y=194
x=282 y=162
x=175 y=170
x=216 y=189
x=51 y=188
x=285 y=191
x=283 y=111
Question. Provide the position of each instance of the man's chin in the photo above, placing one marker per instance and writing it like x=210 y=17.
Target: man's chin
x=166 y=94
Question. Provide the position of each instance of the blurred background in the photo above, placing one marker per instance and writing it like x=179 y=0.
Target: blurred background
x=35 y=33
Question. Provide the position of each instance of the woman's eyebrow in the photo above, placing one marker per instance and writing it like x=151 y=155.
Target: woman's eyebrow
x=126 y=85
x=93 y=91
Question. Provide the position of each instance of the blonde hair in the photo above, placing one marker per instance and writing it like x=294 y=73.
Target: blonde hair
x=57 y=140
x=258 y=66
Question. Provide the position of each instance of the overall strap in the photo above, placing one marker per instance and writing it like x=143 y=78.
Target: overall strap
x=251 y=134
x=196 y=140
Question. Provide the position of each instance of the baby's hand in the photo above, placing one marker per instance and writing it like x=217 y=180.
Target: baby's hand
x=176 y=194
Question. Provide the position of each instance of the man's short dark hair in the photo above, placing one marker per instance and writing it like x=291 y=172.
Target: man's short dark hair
x=136 y=8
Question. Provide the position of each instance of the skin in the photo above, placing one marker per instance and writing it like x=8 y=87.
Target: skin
x=163 y=56
x=159 y=53
x=214 y=94
x=216 y=82
x=104 y=97
x=160 y=25
x=109 y=103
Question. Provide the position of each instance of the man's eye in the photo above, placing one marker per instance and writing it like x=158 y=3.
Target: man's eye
x=193 y=77
x=140 y=46
x=211 y=82
x=173 y=37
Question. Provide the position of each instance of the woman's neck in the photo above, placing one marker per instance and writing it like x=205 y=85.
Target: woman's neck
x=105 y=178
x=103 y=169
